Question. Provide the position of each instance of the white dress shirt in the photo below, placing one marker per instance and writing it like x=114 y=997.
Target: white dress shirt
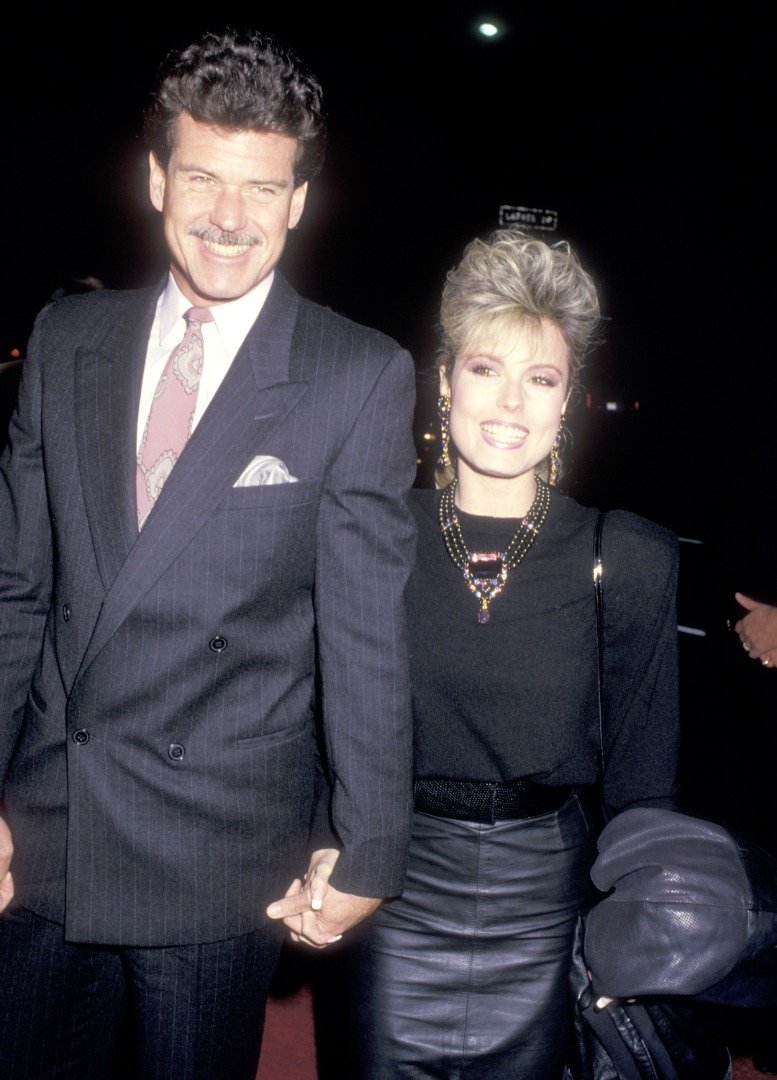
x=221 y=340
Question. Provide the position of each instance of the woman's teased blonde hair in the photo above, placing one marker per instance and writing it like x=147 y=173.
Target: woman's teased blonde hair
x=510 y=280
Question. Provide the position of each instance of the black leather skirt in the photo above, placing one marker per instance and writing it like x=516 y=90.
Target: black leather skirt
x=465 y=975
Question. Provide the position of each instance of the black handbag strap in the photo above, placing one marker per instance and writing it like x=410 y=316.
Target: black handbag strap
x=598 y=573
x=634 y=1041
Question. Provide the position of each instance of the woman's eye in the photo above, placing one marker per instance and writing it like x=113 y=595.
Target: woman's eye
x=544 y=380
x=482 y=369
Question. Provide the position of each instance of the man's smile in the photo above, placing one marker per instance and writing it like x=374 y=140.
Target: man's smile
x=226 y=244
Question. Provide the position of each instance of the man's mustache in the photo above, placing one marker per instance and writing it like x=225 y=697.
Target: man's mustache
x=215 y=235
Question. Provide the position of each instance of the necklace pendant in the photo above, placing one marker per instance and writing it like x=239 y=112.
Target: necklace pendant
x=485 y=565
x=485 y=576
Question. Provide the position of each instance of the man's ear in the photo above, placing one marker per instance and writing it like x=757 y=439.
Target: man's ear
x=297 y=204
x=156 y=182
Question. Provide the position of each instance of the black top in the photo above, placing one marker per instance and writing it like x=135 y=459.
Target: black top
x=517 y=696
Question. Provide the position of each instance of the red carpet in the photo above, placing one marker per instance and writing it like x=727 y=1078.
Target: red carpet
x=288 y=1047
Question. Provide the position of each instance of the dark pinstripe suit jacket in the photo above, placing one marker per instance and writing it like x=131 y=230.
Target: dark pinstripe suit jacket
x=157 y=751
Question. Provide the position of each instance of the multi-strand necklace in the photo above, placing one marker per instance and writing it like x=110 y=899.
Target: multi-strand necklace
x=486 y=572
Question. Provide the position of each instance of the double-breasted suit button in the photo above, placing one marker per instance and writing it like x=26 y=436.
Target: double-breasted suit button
x=175 y=751
x=66 y=611
x=218 y=643
x=81 y=737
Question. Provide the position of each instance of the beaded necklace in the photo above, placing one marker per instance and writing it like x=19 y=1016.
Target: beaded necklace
x=486 y=572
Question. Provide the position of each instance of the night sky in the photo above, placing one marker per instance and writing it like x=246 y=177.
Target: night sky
x=648 y=133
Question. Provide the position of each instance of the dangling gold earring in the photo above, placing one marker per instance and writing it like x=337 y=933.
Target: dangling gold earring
x=555 y=455
x=444 y=410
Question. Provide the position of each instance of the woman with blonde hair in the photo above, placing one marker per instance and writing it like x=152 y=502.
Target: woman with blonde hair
x=465 y=975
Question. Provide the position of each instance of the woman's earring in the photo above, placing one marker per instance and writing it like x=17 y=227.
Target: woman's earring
x=556 y=452
x=444 y=411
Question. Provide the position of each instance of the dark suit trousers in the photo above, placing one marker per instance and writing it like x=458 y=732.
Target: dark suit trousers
x=87 y=1012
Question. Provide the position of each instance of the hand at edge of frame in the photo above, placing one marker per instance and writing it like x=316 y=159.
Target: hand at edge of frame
x=6 y=854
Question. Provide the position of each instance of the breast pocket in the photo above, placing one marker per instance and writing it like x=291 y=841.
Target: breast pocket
x=271 y=496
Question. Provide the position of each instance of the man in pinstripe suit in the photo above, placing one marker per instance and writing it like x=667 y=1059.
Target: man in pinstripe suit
x=159 y=750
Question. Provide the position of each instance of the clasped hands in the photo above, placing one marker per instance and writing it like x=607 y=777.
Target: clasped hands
x=757 y=630
x=315 y=912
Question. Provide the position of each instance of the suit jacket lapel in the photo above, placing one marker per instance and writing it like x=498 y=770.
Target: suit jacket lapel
x=107 y=393
x=253 y=398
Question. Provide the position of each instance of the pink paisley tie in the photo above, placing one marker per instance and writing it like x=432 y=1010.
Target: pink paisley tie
x=169 y=422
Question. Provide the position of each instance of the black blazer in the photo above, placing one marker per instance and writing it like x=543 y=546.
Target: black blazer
x=157 y=748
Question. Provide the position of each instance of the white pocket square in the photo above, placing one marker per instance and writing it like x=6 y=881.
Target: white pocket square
x=265 y=470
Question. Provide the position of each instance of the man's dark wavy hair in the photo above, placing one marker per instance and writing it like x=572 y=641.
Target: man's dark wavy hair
x=241 y=81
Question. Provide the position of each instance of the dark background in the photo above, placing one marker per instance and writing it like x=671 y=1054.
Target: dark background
x=649 y=132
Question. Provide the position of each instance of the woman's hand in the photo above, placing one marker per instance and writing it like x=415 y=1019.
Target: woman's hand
x=316 y=912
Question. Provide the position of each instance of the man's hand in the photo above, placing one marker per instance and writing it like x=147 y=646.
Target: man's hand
x=6 y=880
x=316 y=912
x=758 y=630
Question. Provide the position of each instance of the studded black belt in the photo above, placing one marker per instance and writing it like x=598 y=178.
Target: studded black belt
x=486 y=801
